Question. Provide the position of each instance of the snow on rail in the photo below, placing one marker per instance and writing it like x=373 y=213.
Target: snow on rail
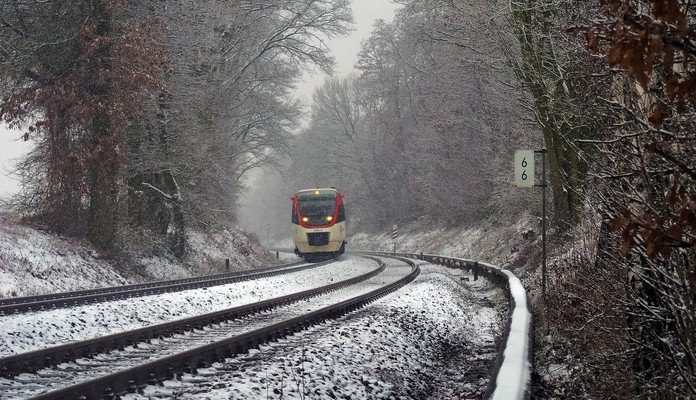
x=513 y=377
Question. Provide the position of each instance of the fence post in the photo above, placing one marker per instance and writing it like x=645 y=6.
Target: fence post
x=476 y=270
x=227 y=264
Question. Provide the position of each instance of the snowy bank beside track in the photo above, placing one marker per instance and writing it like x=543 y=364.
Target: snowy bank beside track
x=511 y=378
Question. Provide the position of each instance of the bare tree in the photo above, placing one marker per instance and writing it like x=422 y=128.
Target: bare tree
x=227 y=110
x=556 y=71
x=623 y=301
x=416 y=132
x=240 y=115
x=77 y=74
x=649 y=163
x=109 y=131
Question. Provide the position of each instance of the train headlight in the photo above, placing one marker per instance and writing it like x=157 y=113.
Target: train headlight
x=305 y=219
x=329 y=218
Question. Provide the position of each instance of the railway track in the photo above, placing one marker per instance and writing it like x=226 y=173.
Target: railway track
x=17 y=305
x=152 y=354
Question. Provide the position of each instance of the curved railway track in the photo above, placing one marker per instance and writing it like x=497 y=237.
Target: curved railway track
x=159 y=352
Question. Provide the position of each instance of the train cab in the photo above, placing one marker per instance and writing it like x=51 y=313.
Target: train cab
x=318 y=223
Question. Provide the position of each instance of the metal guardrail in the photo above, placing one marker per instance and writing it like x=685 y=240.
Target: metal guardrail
x=511 y=376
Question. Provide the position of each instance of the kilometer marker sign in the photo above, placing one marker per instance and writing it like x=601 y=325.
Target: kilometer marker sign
x=524 y=168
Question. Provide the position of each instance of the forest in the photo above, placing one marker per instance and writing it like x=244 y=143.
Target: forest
x=146 y=118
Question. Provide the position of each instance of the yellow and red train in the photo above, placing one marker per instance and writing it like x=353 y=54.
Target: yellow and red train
x=318 y=223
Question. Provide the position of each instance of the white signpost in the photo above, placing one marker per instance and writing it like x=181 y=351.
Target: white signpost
x=524 y=168
x=524 y=177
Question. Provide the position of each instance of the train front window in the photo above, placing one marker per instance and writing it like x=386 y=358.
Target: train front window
x=318 y=209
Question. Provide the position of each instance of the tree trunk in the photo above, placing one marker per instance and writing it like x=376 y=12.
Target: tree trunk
x=565 y=210
x=178 y=237
x=101 y=227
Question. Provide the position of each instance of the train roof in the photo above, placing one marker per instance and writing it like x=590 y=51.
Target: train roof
x=331 y=189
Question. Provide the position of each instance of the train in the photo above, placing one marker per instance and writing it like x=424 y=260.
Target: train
x=318 y=223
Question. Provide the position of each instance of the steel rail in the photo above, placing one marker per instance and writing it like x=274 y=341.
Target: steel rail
x=29 y=362
x=135 y=378
x=145 y=285
x=70 y=299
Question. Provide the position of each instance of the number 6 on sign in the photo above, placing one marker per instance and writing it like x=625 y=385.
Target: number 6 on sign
x=524 y=168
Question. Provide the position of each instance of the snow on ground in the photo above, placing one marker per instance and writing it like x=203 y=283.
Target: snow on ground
x=36 y=262
x=434 y=338
x=504 y=246
x=26 y=332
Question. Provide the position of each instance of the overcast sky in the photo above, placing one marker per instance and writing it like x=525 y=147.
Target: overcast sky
x=11 y=147
x=345 y=51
